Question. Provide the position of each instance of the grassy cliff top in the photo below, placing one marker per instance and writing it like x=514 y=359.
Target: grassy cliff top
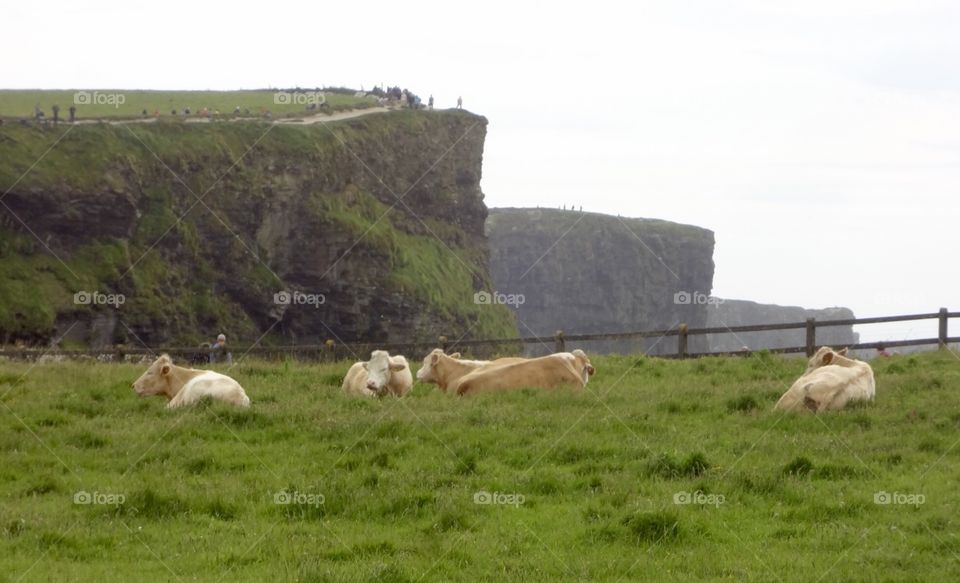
x=130 y=103
x=87 y=156
x=551 y=219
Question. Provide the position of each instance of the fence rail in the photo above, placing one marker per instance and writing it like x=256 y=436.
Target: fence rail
x=330 y=351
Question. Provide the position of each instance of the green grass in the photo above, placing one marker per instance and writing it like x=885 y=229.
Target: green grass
x=17 y=103
x=386 y=489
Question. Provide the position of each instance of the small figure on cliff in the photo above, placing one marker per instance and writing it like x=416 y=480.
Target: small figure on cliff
x=219 y=352
x=459 y=102
x=430 y=102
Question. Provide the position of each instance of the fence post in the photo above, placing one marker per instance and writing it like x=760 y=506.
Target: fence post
x=331 y=349
x=811 y=336
x=560 y=345
x=682 y=341
x=942 y=334
x=443 y=343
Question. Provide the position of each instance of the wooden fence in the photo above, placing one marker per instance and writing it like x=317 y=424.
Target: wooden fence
x=559 y=342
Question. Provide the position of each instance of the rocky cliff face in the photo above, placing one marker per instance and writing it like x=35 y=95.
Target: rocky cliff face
x=363 y=230
x=592 y=273
x=729 y=313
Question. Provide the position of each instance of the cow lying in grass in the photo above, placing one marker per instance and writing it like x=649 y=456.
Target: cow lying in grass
x=378 y=376
x=185 y=386
x=445 y=370
x=830 y=382
x=547 y=372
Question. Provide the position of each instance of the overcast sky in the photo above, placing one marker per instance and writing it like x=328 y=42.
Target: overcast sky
x=819 y=141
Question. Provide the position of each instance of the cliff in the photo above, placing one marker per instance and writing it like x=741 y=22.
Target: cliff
x=593 y=273
x=369 y=229
x=729 y=313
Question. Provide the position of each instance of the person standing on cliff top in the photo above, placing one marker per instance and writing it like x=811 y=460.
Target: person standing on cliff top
x=219 y=352
x=430 y=102
x=459 y=102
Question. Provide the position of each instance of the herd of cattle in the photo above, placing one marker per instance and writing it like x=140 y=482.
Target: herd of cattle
x=831 y=381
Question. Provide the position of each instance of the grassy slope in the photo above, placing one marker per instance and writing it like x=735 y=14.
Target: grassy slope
x=17 y=103
x=399 y=478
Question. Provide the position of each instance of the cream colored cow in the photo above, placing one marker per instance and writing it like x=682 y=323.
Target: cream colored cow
x=185 y=386
x=378 y=376
x=830 y=382
x=547 y=372
x=444 y=370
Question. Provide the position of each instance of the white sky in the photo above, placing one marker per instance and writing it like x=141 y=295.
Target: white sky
x=819 y=140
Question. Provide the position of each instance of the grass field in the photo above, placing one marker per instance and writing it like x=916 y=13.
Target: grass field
x=129 y=104
x=661 y=471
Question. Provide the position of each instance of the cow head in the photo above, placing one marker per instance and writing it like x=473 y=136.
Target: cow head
x=427 y=372
x=823 y=357
x=583 y=365
x=379 y=368
x=156 y=379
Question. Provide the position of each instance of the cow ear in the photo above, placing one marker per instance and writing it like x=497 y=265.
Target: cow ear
x=397 y=366
x=842 y=351
x=827 y=358
x=455 y=355
x=365 y=365
x=434 y=358
x=165 y=370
